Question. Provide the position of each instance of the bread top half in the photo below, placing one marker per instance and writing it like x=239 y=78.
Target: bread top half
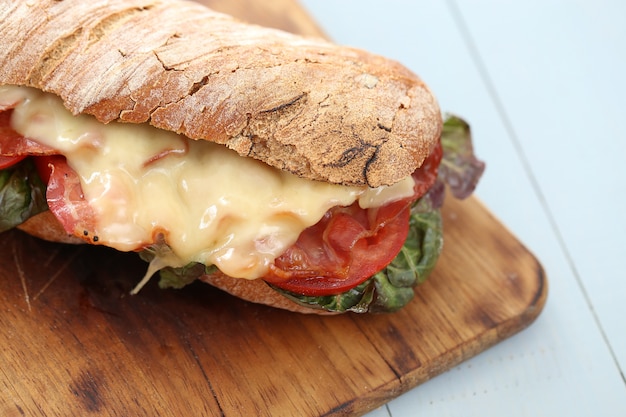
x=304 y=105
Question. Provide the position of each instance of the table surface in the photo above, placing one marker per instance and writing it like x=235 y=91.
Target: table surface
x=542 y=84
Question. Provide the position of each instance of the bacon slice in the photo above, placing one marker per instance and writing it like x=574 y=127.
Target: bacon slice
x=67 y=201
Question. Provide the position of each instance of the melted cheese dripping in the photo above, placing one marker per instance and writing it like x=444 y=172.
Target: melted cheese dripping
x=209 y=204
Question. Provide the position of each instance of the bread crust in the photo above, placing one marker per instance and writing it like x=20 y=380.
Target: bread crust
x=257 y=291
x=318 y=110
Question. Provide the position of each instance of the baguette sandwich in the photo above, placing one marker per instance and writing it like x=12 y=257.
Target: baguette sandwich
x=285 y=170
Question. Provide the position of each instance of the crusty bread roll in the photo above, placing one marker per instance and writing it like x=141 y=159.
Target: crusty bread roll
x=304 y=105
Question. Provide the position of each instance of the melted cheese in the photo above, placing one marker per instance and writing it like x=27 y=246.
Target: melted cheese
x=210 y=204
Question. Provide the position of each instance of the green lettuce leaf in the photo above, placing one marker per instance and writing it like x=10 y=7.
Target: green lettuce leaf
x=173 y=277
x=357 y=299
x=22 y=194
x=179 y=277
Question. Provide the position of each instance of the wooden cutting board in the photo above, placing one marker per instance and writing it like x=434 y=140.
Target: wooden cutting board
x=75 y=343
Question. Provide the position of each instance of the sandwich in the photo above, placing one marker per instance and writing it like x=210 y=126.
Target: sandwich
x=285 y=170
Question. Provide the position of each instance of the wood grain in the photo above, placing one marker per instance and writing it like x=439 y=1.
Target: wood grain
x=75 y=343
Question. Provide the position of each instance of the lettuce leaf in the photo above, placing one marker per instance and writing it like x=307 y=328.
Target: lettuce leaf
x=22 y=194
x=175 y=277
x=179 y=277
x=459 y=167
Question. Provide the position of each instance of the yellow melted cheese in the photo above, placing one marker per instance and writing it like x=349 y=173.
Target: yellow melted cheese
x=211 y=205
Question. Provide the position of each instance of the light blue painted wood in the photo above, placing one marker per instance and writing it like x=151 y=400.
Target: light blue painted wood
x=562 y=86
x=542 y=83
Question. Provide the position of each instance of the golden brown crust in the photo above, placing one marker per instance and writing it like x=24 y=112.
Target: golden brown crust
x=318 y=110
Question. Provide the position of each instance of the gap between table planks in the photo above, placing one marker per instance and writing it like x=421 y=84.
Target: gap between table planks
x=75 y=342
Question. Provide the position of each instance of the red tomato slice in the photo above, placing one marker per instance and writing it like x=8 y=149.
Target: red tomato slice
x=67 y=201
x=7 y=161
x=350 y=244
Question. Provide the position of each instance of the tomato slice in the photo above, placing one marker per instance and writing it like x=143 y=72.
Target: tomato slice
x=8 y=161
x=350 y=244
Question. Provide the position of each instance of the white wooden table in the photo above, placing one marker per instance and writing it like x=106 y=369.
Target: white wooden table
x=543 y=84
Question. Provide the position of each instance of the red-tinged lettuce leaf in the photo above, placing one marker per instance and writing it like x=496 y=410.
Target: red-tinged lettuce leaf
x=459 y=168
